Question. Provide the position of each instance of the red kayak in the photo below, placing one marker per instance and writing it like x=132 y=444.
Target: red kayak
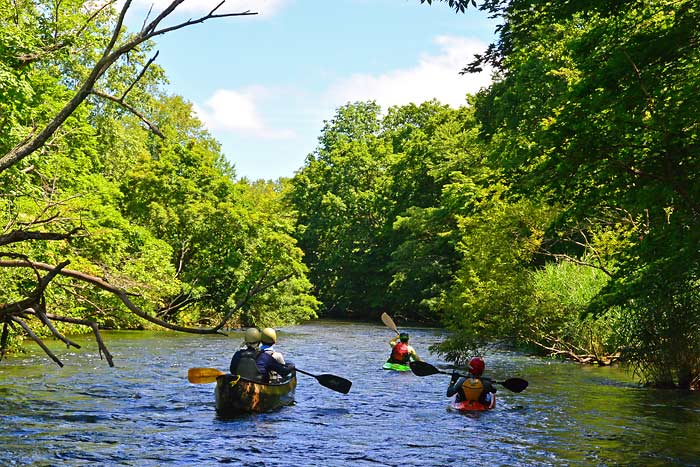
x=468 y=406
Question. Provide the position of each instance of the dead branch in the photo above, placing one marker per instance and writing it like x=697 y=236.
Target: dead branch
x=118 y=292
x=3 y=338
x=141 y=74
x=44 y=319
x=178 y=303
x=34 y=298
x=574 y=260
x=37 y=340
x=23 y=235
x=95 y=330
x=121 y=100
x=569 y=352
x=151 y=126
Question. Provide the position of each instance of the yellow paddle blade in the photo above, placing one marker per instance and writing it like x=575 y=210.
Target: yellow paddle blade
x=203 y=375
x=388 y=322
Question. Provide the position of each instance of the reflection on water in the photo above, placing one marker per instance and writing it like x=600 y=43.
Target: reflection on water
x=145 y=413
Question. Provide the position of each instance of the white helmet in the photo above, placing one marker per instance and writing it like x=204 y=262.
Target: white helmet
x=269 y=336
x=252 y=336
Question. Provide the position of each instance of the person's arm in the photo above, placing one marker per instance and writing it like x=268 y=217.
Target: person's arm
x=414 y=355
x=493 y=401
x=488 y=385
x=455 y=383
x=279 y=357
x=394 y=341
x=282 y=370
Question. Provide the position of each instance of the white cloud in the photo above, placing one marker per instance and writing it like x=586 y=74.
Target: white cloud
x=434 y=77
x=265 y=8
x=238 y=112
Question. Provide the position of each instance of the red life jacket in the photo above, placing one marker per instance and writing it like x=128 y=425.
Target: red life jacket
x=400 y=353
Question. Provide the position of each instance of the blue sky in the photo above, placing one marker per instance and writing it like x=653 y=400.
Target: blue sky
x=263 y=85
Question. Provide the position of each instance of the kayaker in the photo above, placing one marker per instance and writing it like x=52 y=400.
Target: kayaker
x=474 y=387
x=244 y=361
x=271 y=363
x=401 y=352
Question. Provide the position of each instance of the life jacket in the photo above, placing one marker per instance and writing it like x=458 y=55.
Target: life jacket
x=247 y=366
x=400 y=353
x=472 y=388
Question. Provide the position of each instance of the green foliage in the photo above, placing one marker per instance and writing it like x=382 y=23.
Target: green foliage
x=659 y=335
x=491 y=287
x=556 y=312
x=162 y=218
x=374 y=228
x=227 y=239
x=460 y=6
x=593 y=111
x=339 y=198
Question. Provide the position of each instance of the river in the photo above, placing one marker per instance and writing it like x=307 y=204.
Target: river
x=144 y=412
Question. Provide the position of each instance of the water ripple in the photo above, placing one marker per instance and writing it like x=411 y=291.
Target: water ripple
x=144 y=412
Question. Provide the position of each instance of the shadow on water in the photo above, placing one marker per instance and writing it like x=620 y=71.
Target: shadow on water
x=145 y=413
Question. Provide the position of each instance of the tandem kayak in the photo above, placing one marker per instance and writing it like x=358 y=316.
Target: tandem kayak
x=468 y=406
x=236 y=395
x=396 y=367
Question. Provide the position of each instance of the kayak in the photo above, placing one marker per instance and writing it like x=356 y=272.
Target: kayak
x=236 y=395
x=396 y=367
x=468 y=406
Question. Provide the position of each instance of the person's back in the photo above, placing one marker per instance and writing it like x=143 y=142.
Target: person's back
x=270 y=363
x=401 y=351
x=244 y=361
x=474 y=387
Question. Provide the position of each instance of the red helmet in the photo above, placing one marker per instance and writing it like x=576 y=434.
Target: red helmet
x=476 y=366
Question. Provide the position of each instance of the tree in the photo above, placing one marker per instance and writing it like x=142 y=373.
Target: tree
x=592 y=111
x=338 y=196
x=57 y=58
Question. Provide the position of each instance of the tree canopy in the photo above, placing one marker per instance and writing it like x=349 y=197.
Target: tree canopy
x=102 y=171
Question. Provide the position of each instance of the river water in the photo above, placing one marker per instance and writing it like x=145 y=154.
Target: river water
x=144 y=412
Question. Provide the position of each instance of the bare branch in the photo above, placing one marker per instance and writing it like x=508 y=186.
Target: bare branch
x=34 y=297
x=138 y=78
x=117 y=29
x=120 y=293
x=23 y=235
x=131 y=109
x=198 y=21
x=44 y=319
x=179 y=303
x=38 y=341
x=3 y=339
x=95 y=330
x=250 y=294
x=93 y=16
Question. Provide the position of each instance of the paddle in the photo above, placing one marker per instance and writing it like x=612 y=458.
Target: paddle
x=209 y=375
x=203 y=375
x=388 y=322
x=426 y=369
x=333 y=382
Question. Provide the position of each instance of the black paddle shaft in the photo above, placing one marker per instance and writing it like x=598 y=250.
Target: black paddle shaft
x=426 y=369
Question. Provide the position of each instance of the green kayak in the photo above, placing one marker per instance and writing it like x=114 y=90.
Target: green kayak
x=396 y=367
